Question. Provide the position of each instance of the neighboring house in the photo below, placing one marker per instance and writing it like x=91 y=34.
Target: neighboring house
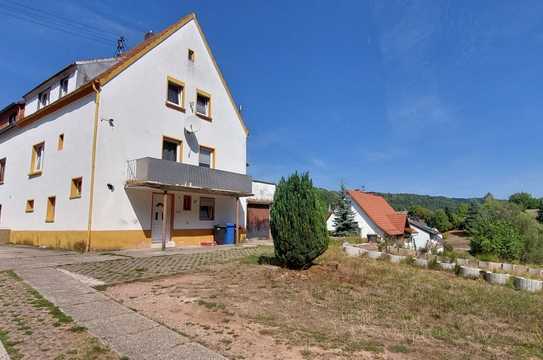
x=258 y=210
x=424 y=236
x=10 y=115
x=375 y=217
x=127 y=152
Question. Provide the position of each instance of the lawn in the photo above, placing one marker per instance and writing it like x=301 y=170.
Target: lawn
x=342 y=308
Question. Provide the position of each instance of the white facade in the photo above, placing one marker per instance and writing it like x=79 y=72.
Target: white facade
x=366 y=225
x=263 y=192
x=420 y=237
x=135 y=101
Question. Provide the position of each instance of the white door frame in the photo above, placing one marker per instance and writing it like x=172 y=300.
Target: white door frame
x=157 y=217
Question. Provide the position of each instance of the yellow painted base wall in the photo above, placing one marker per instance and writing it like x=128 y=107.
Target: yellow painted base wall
x=4 y=236
x=102 y=240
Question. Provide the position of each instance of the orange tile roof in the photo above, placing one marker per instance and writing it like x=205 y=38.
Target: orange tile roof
x=380 y=212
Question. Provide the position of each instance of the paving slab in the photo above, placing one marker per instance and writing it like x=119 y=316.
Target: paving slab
x=192 y=351
x=146 y=344
x=95 y=310
x=120 y=326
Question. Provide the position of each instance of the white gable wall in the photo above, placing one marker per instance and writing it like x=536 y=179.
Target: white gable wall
x=421 y=237
x=135 y=99
x=366 y=225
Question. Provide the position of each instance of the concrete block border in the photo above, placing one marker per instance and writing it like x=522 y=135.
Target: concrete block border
x=486 y=269
x=3 y=353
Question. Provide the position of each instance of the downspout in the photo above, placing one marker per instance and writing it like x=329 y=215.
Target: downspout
x=96 y=89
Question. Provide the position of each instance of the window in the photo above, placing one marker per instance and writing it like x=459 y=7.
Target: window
x=60 y=144
x=36 y=165
x=2 y=170
x=203 y=104
x=43 y=98
x=207 y=208
x=191 y=55
x=75 y=188
x=63 y=87
x=171 y=149
x=187 y=202
x=207 y=157
x=29 y=206
x=176 y=94
x=50 y=216
x=12 y=119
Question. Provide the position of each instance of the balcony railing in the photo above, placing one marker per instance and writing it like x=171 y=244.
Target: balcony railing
x=165 y=174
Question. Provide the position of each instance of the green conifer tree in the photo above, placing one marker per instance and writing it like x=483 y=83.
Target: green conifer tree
x=298 y=224
x=344 y=221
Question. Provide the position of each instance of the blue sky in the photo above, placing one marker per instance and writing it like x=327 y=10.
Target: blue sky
x=429 y=97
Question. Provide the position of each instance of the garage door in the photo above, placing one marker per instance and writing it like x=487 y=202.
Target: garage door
x=258 y=221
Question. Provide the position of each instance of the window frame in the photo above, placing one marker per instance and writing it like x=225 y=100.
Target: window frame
x=40 y=95
x=212 y=218
x=181 y=84
x=50 y=210
x=212 y=156
x=29 y=207
x=33 y=159
x=179 y=157
x=209 y=114
x=187 y=203
x=3 y=162
x=60 y=142
x=75 y=191
x=61 y=93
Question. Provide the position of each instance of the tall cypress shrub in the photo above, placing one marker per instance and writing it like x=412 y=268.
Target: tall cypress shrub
x=298 y=224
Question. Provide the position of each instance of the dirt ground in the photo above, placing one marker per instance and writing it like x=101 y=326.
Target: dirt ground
x=459 y=240
x=342 y=308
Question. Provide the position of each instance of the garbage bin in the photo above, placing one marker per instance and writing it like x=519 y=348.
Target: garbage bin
x=219 y=234
x=229 y=238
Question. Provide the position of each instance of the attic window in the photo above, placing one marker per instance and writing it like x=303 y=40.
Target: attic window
x=203 y=104
x=191 y=55
x=63 y=87
x=43 y=98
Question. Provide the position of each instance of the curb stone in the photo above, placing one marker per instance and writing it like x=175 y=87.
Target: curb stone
x=3 y=353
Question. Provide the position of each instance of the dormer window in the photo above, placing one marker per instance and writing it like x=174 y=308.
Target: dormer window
x=63 y=87
x=43 y=98
x=12 y=119
x=203 y=104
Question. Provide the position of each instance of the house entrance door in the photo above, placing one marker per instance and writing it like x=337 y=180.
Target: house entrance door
x=159 y=213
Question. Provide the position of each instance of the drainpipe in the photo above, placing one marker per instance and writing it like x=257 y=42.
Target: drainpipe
x=96 y=88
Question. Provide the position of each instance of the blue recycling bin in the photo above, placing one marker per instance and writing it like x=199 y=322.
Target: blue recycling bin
x=230 y=235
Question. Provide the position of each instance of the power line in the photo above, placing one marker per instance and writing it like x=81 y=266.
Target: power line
x=57 y=28
x=57 y=19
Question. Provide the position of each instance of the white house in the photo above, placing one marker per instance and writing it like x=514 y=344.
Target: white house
x=135 y=151
x=375 y=217
x=424 y=236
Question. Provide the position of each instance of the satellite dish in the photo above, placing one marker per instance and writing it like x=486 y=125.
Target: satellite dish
x=192 y=124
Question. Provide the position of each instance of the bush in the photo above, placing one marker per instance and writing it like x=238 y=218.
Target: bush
x=298 y=224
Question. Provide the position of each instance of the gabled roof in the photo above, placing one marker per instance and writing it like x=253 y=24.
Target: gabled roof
x=128 y=59
x=380 y=212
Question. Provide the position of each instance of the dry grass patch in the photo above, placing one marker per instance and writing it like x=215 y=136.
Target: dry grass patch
x=343 y=308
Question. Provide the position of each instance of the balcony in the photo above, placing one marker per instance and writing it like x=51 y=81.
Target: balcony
x=170 y=175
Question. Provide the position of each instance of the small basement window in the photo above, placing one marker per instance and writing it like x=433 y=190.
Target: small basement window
x=207 y=209
x=76 y=187
x=2 y=170
x=50 y=215
x=203 y=104
x=175 y=94
x=191 y=55
x=60 y=145
x=29 y=206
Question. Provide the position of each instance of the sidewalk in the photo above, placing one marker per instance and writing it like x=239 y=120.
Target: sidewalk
x=124 y=330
